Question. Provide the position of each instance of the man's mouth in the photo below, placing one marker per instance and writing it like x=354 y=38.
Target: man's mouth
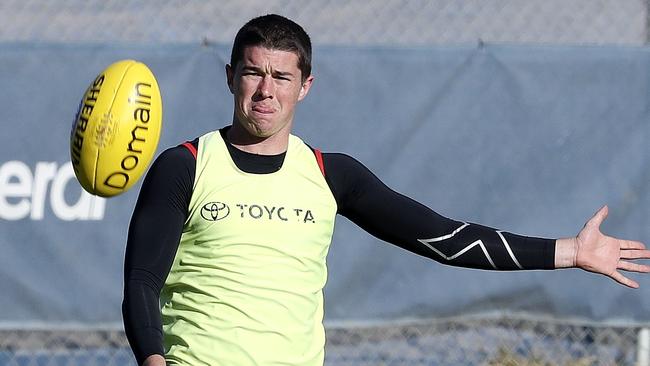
x=262 y=109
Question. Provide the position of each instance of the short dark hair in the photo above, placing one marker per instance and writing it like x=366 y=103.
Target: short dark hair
x=274 y=32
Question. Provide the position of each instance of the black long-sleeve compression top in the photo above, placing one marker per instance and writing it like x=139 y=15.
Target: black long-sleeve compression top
x=162 y=209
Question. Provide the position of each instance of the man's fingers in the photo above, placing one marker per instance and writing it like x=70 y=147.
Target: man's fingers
x=633 y=267
x=599 y=216
x=631 y=244
x=635 y=254
x=624 y=280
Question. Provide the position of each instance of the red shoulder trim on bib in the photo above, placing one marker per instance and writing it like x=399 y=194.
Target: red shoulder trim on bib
x=319 y=159
x=191 y=148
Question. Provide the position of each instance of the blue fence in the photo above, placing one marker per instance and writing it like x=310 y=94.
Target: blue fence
x=531 y=140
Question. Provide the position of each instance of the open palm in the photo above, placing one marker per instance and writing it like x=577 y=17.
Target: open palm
x=599 y=253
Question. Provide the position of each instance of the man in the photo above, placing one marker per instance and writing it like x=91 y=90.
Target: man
x=225 y=259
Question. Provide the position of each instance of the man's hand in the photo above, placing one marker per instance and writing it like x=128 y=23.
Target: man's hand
x=154 y=360
x=595 y=252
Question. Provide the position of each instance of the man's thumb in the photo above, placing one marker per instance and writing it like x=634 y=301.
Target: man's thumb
x=599 y=217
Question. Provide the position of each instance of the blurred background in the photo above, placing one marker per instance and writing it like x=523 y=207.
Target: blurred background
x=525 y=115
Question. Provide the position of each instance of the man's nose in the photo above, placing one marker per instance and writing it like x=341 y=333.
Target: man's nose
x=265 y=87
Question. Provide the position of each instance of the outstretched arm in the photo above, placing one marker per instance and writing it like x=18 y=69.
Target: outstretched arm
x=596 y=252
x=397 y=219
x=392 y=217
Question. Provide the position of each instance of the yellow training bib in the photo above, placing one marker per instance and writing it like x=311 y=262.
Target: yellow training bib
x=246 y=285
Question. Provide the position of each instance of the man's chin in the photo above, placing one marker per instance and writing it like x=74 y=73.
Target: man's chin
x=260 y=133
x=263 y=131
x=260 y=129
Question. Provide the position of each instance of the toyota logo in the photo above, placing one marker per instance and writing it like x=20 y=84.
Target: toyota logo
x=213 y=211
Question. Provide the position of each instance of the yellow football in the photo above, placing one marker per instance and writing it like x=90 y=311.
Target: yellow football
x=116 y=131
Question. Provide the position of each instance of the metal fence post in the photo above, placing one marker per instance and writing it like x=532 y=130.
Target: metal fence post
x=647 y=22
x=643 y=347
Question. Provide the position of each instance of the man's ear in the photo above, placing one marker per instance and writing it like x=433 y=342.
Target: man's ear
x=230 y=75
x=304 y=88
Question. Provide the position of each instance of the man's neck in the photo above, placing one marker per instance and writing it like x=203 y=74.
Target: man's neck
x=240 y=138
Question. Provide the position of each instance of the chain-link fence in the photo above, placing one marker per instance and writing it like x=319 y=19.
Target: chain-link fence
x=467 y=341
x=463 y=341
x=385 y=22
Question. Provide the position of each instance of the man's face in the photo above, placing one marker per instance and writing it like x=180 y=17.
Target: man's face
x=266 y=85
